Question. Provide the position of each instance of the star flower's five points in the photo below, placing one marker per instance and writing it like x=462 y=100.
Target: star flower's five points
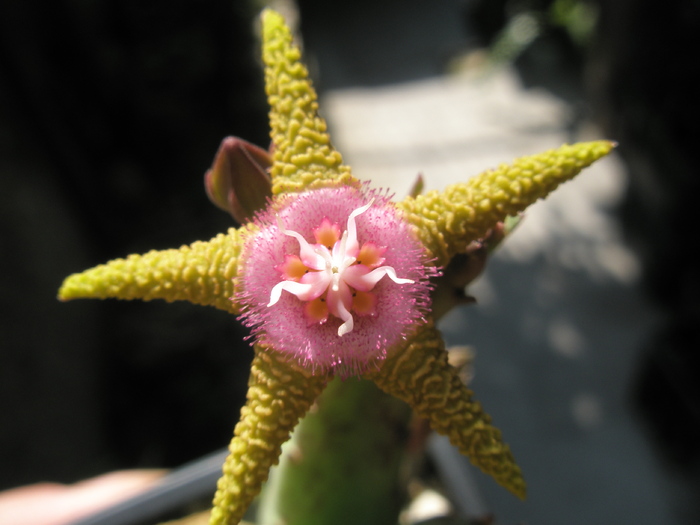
x=385 y=333
x=334 y=275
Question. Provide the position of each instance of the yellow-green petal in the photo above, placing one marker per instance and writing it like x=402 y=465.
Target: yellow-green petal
x=201 y=273
x=421 y=376
x=279 y=394
x=303 y=155
x=446 y=222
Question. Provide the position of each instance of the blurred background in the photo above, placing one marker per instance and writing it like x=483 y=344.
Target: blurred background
x=587 y=327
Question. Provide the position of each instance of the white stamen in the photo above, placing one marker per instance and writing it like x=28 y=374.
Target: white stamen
x=330 y=266
x=346 y=316
x=352 y=228
x=309 y=255
x=298 y=289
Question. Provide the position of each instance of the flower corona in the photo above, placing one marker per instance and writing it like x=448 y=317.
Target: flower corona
x=334 y=277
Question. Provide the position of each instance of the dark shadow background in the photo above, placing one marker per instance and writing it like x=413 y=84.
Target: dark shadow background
x=110 y=112
x=642 y=78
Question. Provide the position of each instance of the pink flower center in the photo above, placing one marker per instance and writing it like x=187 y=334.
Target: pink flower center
x=335 y=275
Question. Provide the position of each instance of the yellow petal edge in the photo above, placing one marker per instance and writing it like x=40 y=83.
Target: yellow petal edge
x=447 y=221
x=420 y=375
x=201 y=273
x=303 y=155
x=279 y=394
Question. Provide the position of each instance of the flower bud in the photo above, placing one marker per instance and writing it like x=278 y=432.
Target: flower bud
x=238 y=181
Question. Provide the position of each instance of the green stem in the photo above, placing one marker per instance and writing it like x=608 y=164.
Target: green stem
x=342 y=462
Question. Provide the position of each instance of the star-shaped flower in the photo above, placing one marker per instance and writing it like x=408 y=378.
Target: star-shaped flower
x=335 y=279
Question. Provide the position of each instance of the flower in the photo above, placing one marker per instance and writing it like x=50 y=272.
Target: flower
x=334 y=277
x=350 y=239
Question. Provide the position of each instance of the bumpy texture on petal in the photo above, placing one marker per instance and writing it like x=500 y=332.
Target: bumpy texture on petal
x=285 y=325
x=420 y=375
x=201 y=273
x=448 y=221
x=303 y=155
x=279 y=394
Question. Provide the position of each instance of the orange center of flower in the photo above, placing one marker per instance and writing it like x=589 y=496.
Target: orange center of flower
x=334 y=275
